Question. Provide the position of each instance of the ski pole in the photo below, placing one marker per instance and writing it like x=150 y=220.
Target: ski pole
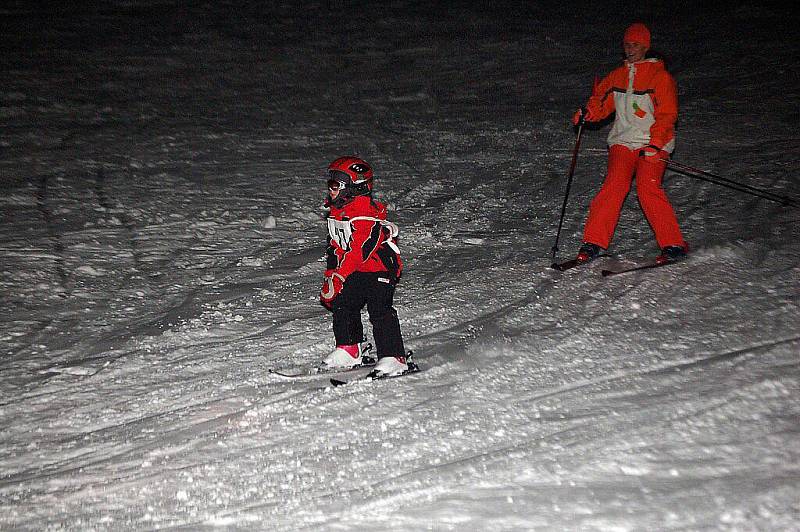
x=728 y=183
x=569 y=184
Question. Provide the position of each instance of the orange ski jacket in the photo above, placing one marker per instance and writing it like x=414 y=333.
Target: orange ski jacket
x=645 y=99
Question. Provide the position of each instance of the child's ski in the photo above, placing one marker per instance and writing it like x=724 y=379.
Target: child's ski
x=374 y=376
x=311 y=371
x=292 y=372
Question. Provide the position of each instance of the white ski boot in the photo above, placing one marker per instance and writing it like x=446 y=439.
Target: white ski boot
x=344 y=356
x=391 y=366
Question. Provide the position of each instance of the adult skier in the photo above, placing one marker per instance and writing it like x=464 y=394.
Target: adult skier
x=363 y=268
x=643 y=95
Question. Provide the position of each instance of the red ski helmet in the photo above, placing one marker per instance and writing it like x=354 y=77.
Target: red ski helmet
x=352 y=174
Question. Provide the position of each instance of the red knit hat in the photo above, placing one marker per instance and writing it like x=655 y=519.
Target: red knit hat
x=637 y=33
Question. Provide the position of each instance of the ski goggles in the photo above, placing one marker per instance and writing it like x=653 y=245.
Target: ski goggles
x=336 y=185
x=337 y=180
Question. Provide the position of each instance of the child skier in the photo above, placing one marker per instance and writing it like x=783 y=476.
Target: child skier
x=363 y=267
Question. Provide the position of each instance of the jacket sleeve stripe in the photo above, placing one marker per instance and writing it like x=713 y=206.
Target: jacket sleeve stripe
x=372 y=242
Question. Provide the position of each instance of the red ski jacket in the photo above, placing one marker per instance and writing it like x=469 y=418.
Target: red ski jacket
x=362 y=240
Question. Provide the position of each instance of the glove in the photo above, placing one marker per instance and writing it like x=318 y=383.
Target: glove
x=331 y=287
x=582 y=112
x=652 y=151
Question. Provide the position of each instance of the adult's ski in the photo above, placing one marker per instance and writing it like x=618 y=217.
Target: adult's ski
x=647 y=266
x=566 y=265
x=571 y=263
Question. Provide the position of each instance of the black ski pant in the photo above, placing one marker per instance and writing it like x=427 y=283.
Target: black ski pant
x=376 y=291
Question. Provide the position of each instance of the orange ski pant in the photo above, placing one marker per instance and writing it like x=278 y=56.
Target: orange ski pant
x=604 y=210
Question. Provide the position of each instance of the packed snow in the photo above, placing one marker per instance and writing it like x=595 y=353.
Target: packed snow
x=163 y=172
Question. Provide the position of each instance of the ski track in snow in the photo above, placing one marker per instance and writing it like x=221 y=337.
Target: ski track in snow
x=162 y=244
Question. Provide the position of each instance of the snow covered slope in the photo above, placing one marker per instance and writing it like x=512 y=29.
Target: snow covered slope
x=161 y=241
